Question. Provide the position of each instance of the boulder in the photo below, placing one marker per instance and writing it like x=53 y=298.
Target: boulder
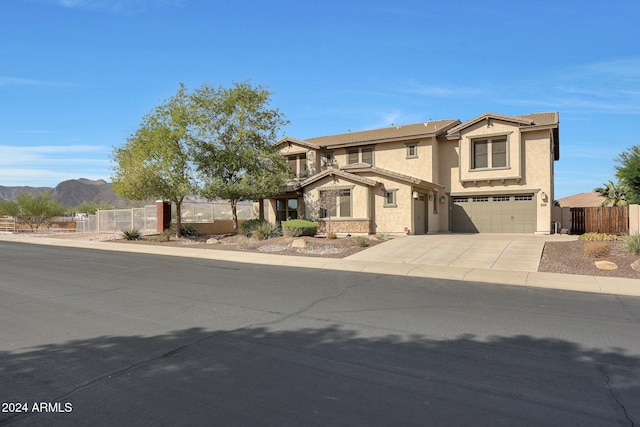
x=212 y=241
x=606 y=265
x=636 y=265
x=299 y=243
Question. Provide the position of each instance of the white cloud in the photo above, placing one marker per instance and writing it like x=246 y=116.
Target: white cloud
x=116 y=5
x=439 y=91
x=19 y=81
x=18 y=177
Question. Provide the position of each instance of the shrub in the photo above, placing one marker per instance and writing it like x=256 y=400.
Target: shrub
x=299 y=227
x=165 y=236
x=632 y=243
x=132 y=234
x=360 y=242
x=596 y=250
x=331 y=235
x=249 y=226
x=189 y=230
x=266 y=230
x=383 y=237
x=598 y=237
x=244 y=243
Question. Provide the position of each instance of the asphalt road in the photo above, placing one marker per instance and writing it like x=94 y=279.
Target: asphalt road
x=92 y=337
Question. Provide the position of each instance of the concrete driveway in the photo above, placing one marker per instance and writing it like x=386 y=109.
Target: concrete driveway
x=518 y=252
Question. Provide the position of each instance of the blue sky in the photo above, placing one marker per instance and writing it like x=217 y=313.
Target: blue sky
x=77 y=76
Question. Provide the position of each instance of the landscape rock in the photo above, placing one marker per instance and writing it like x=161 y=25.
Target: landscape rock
x=636 y=265
x=212 y=241
x=299 y=243
x=606 y=265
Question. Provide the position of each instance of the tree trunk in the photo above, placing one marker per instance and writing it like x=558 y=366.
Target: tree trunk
x=178 y=218
x=234 y=214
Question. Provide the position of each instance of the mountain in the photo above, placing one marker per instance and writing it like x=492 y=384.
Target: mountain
x=73 y=192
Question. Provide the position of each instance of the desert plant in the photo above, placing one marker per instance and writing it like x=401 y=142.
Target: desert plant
x=383 y=237
x=596 y=250
x=249 y=226
x=132 y=234
x=632 y=243
x=331 y=235
x=244 y=243
x=299 y=227
x=189 y=230
x=165 y=236
x=359 y=242
x=266 y=230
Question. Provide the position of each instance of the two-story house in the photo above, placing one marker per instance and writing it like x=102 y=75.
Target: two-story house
x=493 y=173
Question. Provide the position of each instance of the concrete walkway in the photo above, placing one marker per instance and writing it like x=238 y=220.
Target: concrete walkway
x=509 y=262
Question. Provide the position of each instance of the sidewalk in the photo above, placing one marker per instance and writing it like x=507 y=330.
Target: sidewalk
x=602 y=285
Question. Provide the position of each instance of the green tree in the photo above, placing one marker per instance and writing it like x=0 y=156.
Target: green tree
x=155 y=162
x=91 y=207
x=628 y=172
x=34 y=209
x=614 y=194
x=233 y=147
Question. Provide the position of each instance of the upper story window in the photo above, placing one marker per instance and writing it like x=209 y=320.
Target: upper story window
x=298 y=165
x=328 y=159
x=360 y=155
x=390 y=198
x=412 y=151
x=489 y=153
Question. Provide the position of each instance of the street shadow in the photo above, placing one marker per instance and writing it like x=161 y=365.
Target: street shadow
x=320 y=376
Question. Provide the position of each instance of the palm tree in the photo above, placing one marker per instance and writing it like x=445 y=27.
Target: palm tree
x=616 y=194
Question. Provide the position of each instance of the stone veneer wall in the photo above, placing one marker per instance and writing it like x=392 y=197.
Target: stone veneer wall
x=346 y=226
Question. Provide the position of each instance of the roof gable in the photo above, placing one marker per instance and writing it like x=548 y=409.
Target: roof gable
x=524 y=122
x=331 y=172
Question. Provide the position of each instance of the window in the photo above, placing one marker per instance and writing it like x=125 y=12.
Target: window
x=501 y=198
x=460 y=199
x=489 y=153
x=435 y=202
x=480 y=199
x=390 y=198
x=524 y=198
x=367 y=155
x=298 y=165
x=412 y=151
x=327 y=159
x=335 y=203
x=286 y=209
x=360 y=155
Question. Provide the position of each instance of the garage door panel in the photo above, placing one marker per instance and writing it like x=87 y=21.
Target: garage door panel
x=494 y=214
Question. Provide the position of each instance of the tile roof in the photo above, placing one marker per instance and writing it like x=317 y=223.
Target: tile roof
x=532 y=121
x=340 y=173
x=392 y=133
x=364 y=167
x=581 y=200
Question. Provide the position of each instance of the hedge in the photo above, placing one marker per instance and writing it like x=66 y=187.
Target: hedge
x=299 y=227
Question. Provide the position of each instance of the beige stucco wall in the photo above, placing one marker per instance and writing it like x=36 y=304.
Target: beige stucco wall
x=360 y=197
x=530 y=168
x=634 y=219
x=484 y=129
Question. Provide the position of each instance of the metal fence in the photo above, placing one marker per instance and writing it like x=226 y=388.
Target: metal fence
x=8 y=224
x=115 y=220
x=146 y=219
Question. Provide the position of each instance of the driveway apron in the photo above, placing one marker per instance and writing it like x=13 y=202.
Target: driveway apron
x=518 y=252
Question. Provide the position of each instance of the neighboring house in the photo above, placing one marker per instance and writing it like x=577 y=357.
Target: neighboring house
x=493 y=173
x=581 y=200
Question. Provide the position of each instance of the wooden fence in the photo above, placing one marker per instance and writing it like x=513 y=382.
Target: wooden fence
x=609 y=220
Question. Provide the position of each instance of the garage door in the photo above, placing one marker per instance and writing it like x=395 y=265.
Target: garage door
x=494 y=214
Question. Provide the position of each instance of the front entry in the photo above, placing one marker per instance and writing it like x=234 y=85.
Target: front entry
x=420 y=214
